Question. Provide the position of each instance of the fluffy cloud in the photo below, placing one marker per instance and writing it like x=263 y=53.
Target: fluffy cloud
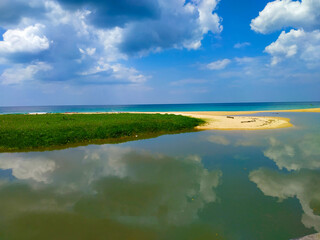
x=299 y=44
x=209 y=21
x=89 y=41
x=29 y=40
x=287 y=13
x=44 y=52
x=218 y=65
x=296 y=44
x=147 y=25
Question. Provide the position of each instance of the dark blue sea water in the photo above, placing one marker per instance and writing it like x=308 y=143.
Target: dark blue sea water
x=260 y=106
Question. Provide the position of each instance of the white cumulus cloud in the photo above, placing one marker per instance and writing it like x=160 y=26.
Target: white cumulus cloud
x=301 y=44
x=287 y=13
x=296 y=44
x=29 y=39
x=209 y=21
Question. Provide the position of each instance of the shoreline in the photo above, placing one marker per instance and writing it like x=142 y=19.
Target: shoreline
x=232 y=122
x=228 y=120
x=217 y=113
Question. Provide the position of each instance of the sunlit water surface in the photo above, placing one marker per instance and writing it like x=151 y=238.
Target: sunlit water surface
x=236 y=185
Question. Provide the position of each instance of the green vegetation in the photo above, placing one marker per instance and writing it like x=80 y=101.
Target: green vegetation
x=28 y=132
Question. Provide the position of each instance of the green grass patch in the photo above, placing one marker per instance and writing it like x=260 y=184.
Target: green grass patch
x=28 y=132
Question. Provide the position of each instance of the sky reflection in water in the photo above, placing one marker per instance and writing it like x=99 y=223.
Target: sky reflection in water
x=203 y=185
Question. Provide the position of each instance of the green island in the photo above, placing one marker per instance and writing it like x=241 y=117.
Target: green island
x=19 y=132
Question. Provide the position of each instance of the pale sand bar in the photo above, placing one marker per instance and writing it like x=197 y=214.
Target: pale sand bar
x=214 y=122
x=230 y=120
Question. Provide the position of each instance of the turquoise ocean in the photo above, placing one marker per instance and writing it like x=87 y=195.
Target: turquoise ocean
x=258 y=106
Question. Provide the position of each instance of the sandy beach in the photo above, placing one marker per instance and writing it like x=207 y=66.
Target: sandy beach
x=229 y=122
x=232 y=121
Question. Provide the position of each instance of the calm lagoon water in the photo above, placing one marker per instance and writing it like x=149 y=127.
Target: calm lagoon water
x=235 y=185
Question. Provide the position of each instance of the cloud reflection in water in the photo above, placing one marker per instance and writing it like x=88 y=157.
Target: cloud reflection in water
x=105 y=183
x=295 y=153
x=304 y=185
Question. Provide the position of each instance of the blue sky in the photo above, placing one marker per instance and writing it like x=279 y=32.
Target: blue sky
x=158 y=51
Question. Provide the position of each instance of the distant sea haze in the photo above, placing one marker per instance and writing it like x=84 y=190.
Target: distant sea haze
x=259 y=106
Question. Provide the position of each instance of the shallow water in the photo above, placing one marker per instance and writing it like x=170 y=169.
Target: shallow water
x=237 y=185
